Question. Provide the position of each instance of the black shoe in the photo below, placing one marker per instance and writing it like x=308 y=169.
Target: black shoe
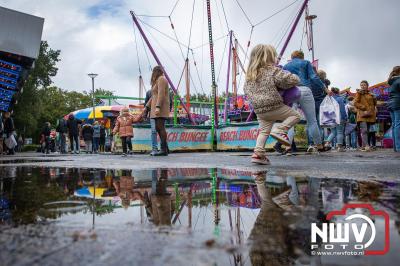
x=161 y=153
x=278 y=148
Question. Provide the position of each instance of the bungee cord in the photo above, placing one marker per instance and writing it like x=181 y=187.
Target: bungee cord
x=162 y=33
x=244 y=13
x=197 y=71
x=222 y=59
x=173 y=9
x=226 y=20
x=189 y=49
x=137 y=51
x=276 y=13
x=190 y=32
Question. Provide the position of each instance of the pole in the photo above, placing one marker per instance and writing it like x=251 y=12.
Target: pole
x=234 y=72
x=93 y=101
x=227 y=77
x=312 y=41
x=140 y=89
x=214 y=114
x=303 y=7
x=175 y=110
x=159 y=63
x=187 y=83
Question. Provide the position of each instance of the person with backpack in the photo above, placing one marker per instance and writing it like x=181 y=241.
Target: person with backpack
x=62 y=129
x=310 y=85
x=73 y=132
x=87 y=134
x=103 y=135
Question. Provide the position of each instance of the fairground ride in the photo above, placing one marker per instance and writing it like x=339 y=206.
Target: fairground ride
x=235 y=107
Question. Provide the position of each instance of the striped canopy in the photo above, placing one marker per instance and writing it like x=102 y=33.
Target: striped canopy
x=87 y=113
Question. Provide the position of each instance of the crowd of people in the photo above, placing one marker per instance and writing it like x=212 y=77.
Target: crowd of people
x=355 y=127
x=157 y=109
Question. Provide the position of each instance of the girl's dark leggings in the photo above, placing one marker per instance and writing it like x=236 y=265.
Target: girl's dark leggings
x=126 y=141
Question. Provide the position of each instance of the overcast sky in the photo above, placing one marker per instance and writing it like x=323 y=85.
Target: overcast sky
x=354 y=39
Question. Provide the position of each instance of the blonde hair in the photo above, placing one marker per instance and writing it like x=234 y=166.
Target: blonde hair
x=124 y=109
x=321 y=74
x=261 y=56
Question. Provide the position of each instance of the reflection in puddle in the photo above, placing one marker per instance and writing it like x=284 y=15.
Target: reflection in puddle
x=18 y=161
x=269 y=214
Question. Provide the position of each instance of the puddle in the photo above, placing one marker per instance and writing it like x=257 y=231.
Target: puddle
x=271 y=215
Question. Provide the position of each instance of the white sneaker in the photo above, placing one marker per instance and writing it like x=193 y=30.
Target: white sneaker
x=281 y=137
x=312 y=149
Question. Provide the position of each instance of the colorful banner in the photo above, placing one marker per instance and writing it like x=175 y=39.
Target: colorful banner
x=179 y=138
x=240 y=137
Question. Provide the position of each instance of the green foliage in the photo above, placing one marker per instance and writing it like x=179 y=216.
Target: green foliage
x=202 y=97
x=30 y=147
x=300 y=135
x=40 y=102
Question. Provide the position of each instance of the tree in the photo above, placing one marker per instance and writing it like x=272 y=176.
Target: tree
x=29 y=106
x=40 y=102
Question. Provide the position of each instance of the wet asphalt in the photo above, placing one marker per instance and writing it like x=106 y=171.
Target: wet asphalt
x=128 y=244
x=381 y=164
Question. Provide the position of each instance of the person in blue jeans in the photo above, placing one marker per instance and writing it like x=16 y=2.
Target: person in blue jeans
x=308 y=77
x=96 y=136
x=338 y=131
x=154 y=142
x=394 y=105
x=351 y=137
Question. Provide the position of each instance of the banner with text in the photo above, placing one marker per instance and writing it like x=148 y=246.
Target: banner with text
x=240 y=138
x=179 y=139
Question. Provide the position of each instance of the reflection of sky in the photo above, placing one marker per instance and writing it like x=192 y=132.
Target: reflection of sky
x=202 y=219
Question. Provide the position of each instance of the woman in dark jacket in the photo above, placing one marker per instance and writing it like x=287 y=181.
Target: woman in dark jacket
x=394 y=105
x=46 y=138
x=87 y=134
x=8 y=129
x=103 y=134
